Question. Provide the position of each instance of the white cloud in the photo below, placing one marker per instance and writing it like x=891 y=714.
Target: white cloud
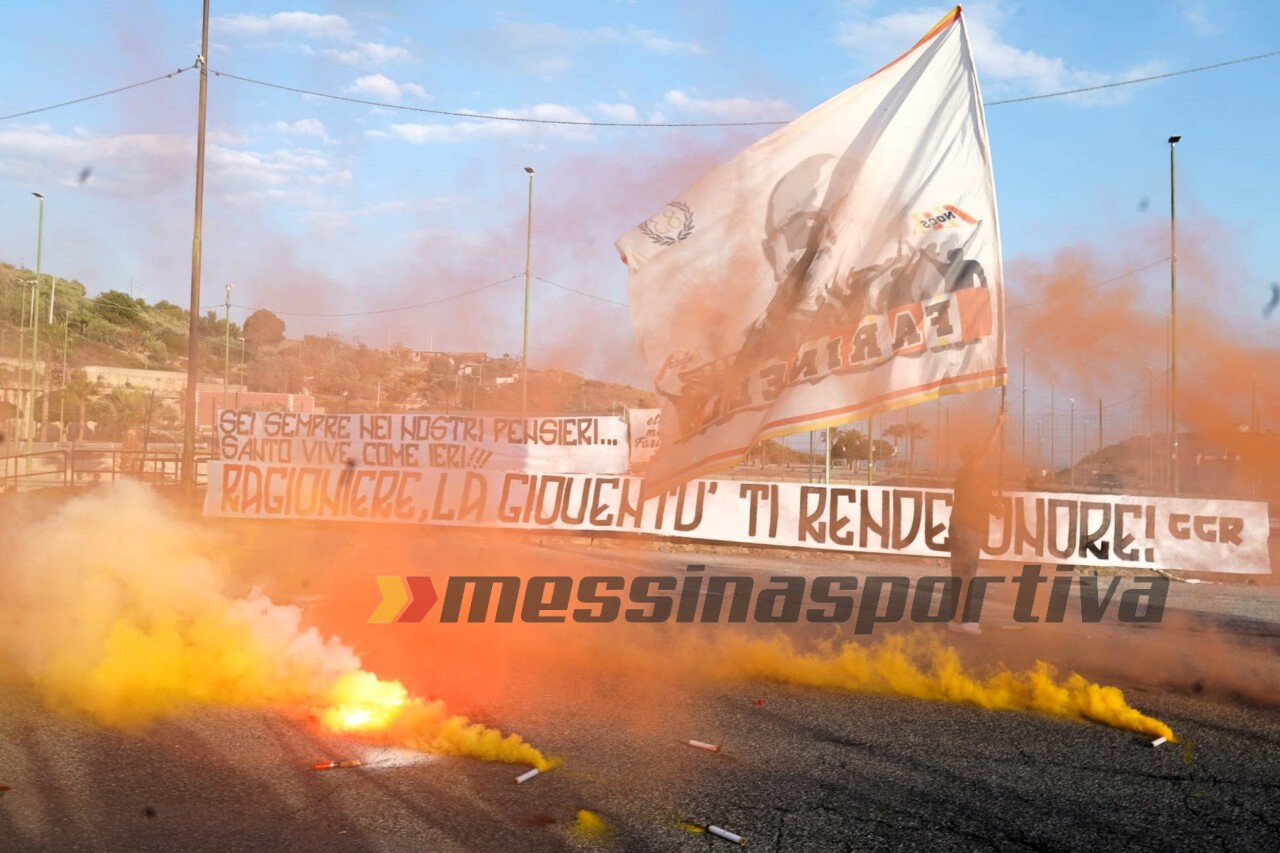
x=151 y=165
x=659 y=43
x=525 y=36
x=618 y=112
x=550 y=66
x=730 y=109
x=368 y=53
x=302 y=127
x=543 y=49
x=1197 y=14
x=282 y=24
x=383 y=87
x=461 y=131
x=1002 y=67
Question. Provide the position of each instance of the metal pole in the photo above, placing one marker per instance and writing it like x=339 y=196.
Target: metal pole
x=226 y=356
x=827 y=463
x=810 y=478
x=871 y=449
x=1151 y=428
x=35 y=332
x=20 y=418
x=193 y=324
x=1173 y=309
x=1071 y=452
x=242 y=383
x=1053 y=435
x=528 y=257
x=62 y=398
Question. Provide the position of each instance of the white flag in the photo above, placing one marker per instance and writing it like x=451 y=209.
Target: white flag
x=846 y=264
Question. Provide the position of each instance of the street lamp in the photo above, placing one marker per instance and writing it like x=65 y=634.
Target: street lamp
x=35 y=331
x=1173 y=310
x=528 y=256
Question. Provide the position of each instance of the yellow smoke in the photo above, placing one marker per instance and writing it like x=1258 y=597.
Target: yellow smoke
x=590 y=826
x=120 y=612
x=921 y=667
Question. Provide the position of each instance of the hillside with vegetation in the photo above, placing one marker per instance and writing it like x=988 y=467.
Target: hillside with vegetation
x=116 y=329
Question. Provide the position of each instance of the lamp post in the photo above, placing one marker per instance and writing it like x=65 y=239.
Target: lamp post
x=35 y=331
x=528 y=257
x=1173 y=309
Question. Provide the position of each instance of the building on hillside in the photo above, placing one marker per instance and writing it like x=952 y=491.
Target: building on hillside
x=459 y=359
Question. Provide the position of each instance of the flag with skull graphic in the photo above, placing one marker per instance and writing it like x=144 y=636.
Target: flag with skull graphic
x=845 y=265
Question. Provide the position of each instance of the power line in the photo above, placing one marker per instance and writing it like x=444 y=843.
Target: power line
x=1134 y=80
x=98 y=95
x=589 y=123
x=582 y=292
x=1090 y=286
x=484 y=116
x=385 y=310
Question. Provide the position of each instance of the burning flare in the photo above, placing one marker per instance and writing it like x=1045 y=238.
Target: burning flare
x=116 y=611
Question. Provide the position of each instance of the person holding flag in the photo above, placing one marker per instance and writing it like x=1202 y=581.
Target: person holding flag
x=973 y=503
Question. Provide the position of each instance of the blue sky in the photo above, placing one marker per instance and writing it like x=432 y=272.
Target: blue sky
x=320 y=206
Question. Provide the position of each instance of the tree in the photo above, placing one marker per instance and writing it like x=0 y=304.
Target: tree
x=80 y=390
x=120 y=308
x=122 y=410
x=848 y=445
x=916 y=431
x=262 y=328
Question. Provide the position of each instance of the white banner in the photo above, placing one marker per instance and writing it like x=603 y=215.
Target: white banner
x=1086 y=530
x=847 y=264
x=425 y=440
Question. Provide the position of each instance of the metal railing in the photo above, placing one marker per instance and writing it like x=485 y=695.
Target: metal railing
x=94 y=465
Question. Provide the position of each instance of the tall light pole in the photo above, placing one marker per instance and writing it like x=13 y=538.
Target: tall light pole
x=193 y=319
x=1173 y=308
x=35 y=331
x=528 y=257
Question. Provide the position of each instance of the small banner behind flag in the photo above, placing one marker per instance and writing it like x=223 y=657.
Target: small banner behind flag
x=845 y=265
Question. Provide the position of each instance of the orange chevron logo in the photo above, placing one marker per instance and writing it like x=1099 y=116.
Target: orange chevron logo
x=404 y=599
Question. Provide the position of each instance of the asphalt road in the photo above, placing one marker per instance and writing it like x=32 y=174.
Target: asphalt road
x=808 y=770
